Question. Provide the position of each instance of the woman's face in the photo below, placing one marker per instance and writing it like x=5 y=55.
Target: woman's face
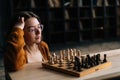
x=32 y=31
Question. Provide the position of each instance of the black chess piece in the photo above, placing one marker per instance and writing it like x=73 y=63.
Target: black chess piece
x=75 y=64
x=98 y=60
x=86 y=63
x=83 y=60
x=89 y=62
x=92 y=61
x=79 y=64
x=105 y=58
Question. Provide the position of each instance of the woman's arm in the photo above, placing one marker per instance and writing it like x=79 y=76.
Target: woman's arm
x=15 y=56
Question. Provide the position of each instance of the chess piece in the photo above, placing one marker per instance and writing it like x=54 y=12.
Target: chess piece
x=77 y=64
x=105 y=60
x=63 y=55
x=60 y=63
x=75 y=52
x=54 y=57
x=71 y=53
x=89 y=63
x=86 y=63
x=98 y=60
x=51 y=60
x=68 y=59
x=68 y=64
x=79 y=53
x=68 y=56
x=71 y=56
x=94 y=59
x=83 y=58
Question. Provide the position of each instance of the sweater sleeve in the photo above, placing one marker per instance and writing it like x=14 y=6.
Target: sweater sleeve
x=44 y=50
x=15 y=56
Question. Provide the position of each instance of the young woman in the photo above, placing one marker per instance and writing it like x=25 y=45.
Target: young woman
x=24 y=43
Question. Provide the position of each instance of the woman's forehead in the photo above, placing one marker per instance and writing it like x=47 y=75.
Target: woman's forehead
x=32 y=22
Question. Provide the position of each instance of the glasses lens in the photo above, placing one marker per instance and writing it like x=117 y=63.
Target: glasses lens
x=41 y=26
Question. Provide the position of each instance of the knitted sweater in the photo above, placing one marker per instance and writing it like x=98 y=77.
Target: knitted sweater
x=15 y=56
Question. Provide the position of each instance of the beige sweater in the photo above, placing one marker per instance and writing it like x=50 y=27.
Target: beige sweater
x=15 y=56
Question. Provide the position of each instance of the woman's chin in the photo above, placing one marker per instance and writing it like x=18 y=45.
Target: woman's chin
x=38 y=41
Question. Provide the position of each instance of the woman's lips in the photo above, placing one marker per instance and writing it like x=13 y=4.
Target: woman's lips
x=38 y=37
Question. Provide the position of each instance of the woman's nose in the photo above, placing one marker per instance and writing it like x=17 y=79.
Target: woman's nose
x=37 y=31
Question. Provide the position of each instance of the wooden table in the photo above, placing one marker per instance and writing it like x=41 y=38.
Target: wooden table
x=36 y=72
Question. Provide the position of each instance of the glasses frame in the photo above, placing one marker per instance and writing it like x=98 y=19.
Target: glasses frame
x=36 y=29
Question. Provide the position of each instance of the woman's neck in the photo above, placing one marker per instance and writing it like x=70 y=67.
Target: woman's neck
x=32 y=47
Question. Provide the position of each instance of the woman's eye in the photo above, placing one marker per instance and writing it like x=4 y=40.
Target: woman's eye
x=31 y=30
x=39 y=27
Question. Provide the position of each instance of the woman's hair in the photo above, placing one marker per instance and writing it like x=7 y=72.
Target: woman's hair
x=25 y=14
x=15 y=17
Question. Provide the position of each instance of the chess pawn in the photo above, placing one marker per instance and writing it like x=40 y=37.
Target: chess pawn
x=105 y=60
x=99 y=60
x=68 y=64
x=79 y=53
x=68 y=59
x=71 y=56
x=72 y=59
x=63 y=55
x=49 y=61
x=52 y=60
x=99 y=57
x=71 y=53
x=68 y=50
x=54 y=57
x=68 y=56
x=60 y=63
x=75 y=52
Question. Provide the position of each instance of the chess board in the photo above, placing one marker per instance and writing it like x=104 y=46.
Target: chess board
x=70 y=71
x=73 y=63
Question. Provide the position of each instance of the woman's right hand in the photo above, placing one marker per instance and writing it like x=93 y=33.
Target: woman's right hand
x=21 y=23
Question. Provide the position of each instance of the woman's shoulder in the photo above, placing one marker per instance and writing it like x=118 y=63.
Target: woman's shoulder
x=43 y=43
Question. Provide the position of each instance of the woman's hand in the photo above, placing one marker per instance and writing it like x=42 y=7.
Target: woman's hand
x=21 y=23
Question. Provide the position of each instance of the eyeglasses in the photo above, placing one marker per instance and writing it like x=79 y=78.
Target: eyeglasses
x=33 y=29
